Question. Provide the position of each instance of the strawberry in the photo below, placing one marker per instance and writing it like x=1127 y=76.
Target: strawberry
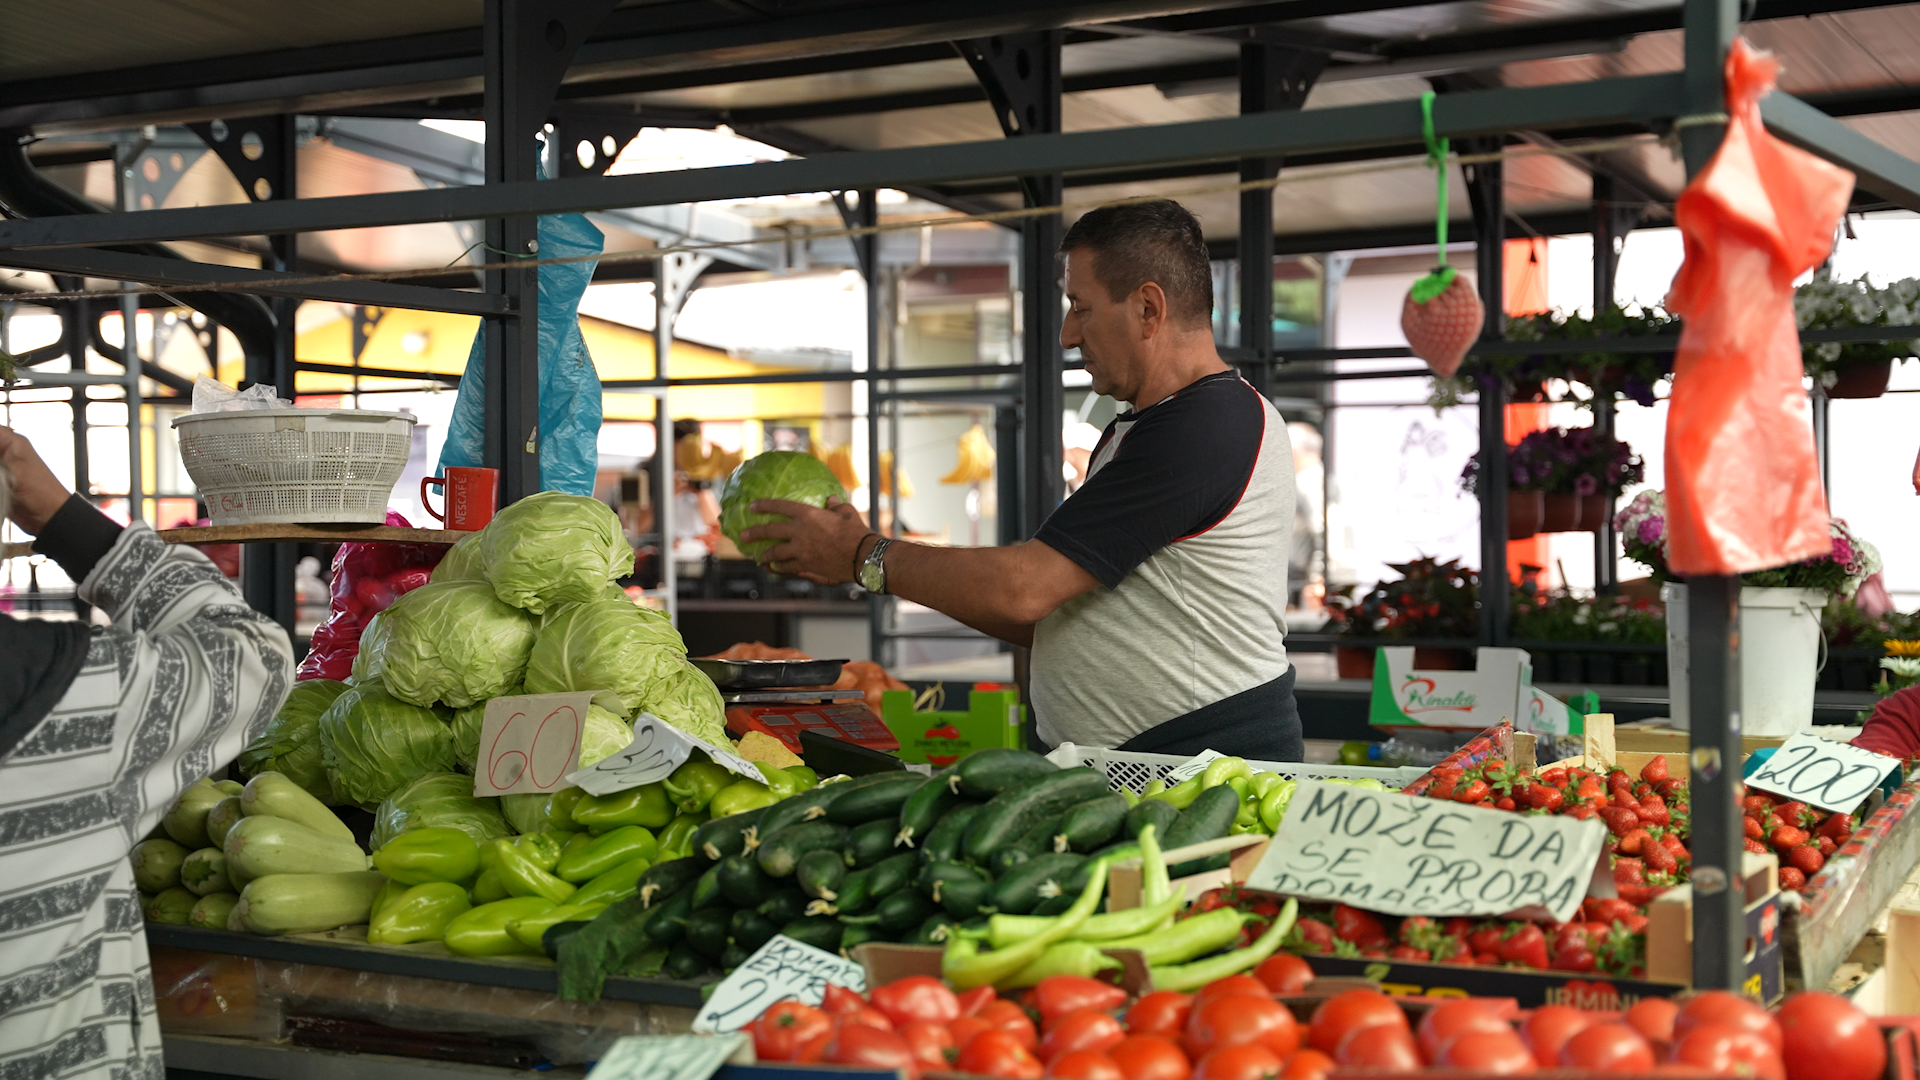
x=1672 y=843
x=1771 y=822
x=1642 y=789
x=1754 y=846
x=1525 y=944
x=1471 y=792
x=1659 y=859
x=1638 y=894
x=1797 y=814
x=1629 y=872
x=1408 y=952
x=1617 y=777
x=1505 y=802
x=1671 y=788
x=1787 y=837
x=1577 y=959
x=1839 y=827
x=1620 y=821
x=1442 y=328
x=1554 y=777
x=1752 y=826
x=1653 y=811
x=1542 y=797
x=1313 y=936
x=1581 y=813
x=1636 y=842
x=1359 y=927
x=1826 y=845
x=1655 y=770
x=1485 y=938
x=1756 y=806
x=1791 y=878
x=1589 y=788
x=1807 y=859
x=1624 y=799
x=1606 y=910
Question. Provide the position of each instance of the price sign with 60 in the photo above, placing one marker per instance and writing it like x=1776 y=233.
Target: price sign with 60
x=1829 y=775
x=529 y=743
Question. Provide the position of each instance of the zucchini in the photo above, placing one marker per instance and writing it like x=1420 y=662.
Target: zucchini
x=669 y=923
x=904 y=910
x=820 y=874
x=731 y=835
x=868 y=844
x=663 y=880
x=1020 y=891
x=742 y=882
x=943 y=840
x=876 y=801
x=173 y=906
x=221 y=818
x=707 y=931
x=307 y=903
x=259 y=846
x=1092 y=823
x=819 y=931
x=749 y=930
x=157 y=862
x=784 y=906
x=780 y=852
x=273 y=795
x=1208 y=817
x=927 y=805
x=987 y=773
x=706 y=891
x=212 y=910
x=1012 y=813
x=186 y=819
x=684 y=963
x=1158 y=813
x=205 y=872
x=889 y=876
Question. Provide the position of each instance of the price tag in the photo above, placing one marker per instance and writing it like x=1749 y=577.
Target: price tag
x=657 y=749
x=1192 y=767
x=782 y=968
x=1820 y=772
x=670 y=1057
x=529 y=743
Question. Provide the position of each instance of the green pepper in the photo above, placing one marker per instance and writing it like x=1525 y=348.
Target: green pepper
x=482 y=931
x=530 y=930
x=1274 y=806
x=1220 y=770
x=693 y=785
x=1181 y=795
x=738 y=798
x=560 y=806
x=779 y=781
x=1248 y=816
x=676 y=840
x=576 y=841
x=487 y=887
x=646 y=805
x=603 y=853
x=522 y=875
x=616 y=884
x=437 y=853
x=1264 y=782
x=540 y=849
x=804 y=777
x=422 y=913
x=1199 y=973
x=1240 y=785
x=385 y=896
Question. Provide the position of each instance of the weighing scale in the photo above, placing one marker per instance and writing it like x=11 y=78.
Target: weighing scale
x=783 y=698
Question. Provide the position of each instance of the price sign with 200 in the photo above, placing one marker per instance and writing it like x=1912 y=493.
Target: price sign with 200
x=1830 y=775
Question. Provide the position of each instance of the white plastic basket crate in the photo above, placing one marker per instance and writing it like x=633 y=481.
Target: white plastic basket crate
x=295 y=466
x=1135 y=771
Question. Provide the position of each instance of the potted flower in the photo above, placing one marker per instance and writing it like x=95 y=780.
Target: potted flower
x=1559 y=617
x=1526 y=500
x=1857 y=369
x=1528 y=375
x=1432 y=599
x=1780 y=611
x=1572 y=476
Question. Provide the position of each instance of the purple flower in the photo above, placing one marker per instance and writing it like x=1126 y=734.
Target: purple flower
x=1842 y=551
x=1543 y=469
x=1585 y=484
x=1653 y=529
x=1520 y=476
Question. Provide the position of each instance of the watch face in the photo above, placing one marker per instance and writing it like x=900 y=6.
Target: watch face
x=872 y=577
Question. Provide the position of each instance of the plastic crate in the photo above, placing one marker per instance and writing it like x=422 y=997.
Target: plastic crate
x=1134 y=771
x=295 y=466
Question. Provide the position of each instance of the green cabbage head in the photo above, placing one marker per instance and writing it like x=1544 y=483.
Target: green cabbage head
x=439 y=799
x=462 y=562
x=453 y=642
x=290 y=745
x=776 y=474
x=374 y=744
x=688 y=700
x=604 y=645
x=550 y=549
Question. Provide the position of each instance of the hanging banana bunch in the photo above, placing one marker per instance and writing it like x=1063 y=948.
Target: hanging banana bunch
x=886 y=478
x=976 y=459
x=840 y=460
x=701 y=460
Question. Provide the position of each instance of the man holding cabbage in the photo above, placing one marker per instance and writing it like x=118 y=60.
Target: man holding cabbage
x=1153 y=597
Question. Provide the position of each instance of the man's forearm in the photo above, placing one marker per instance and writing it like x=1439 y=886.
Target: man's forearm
x=990 y=588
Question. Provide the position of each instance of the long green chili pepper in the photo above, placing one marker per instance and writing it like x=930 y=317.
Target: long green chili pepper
x=1201 y=972
x=1080 y=958
x=1273 y=805
x=1221 y=770
x=1187 y=939
x=1154 y=787
x=1156 y=884
x=965 y=968
x=1005 y=930
x=1181 y=795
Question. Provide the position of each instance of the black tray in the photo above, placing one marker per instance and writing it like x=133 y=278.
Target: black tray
x=770 y=674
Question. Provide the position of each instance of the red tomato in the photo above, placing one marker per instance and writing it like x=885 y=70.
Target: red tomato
x=1348 y=1011
x=1726 y=1007
x=814 y=1049
x=1246 y=1062
x=1284 y=973
x=1727 y=1049
x=865 y=1015
x=1607 y=1048
x=976 y=999
x=929 y=1041
x=1500 y=1053
x=1088 y=1029
x=966 y=1028
x=1387 y=1048
x=998 y=1053
x=1241 y=1020
x=1056 y=996
x=1150 y=1057
x=1163 y=1012
x=858 y=1044
x=1232 y=984
x=1005 y=1016
x=1549 y=1027
x=1084 y=1065
x=916 y=997
x=1653 y=1019
x=1451 y=1019
x=780 y=1031
x=1308 y=1064
x=838 y=999
x=1825 y=1038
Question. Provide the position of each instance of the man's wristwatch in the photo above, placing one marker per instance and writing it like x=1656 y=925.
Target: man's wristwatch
x=873 y=571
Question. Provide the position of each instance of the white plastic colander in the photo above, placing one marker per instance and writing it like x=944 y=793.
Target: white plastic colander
x=295 y=466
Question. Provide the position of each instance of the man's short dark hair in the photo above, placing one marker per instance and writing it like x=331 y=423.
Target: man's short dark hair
x=1158 y=241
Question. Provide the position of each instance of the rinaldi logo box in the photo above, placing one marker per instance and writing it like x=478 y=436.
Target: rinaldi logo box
x=1499 y=688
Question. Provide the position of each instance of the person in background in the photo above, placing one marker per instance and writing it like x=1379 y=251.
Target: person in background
x=101 y=729
x=1894 y=726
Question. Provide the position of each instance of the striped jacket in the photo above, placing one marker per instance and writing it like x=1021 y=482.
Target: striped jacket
x=167 y=694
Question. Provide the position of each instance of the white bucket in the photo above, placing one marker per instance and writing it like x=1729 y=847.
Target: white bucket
x=1780 y=659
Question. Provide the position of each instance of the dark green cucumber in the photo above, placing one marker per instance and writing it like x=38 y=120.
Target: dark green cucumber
x=959 y=889
x=1093 y=823
x=929 y=802
x=1039 y=840
x=1055 y=905
x=1007 y=858
x=1208 y=817
x=811 y=804
x=933 y=931
x=749 y=930
x=1114 y=852
x=684 y=962
x=662 y=880
x=889 y=876
x=942 y=842
x=666 y=927
x=821 y=873
x=858 y=934
x=707 y=931
x=706 y=891
x=986 y=773
x=731 y=835
x=779 y=852
x=742 y=882
x=932 y=874
x=872 y=802
x=734 y=957
x=903 y=910
x=785 y=906
x=855 y=897
x=819 y=931
x=868 y=844
x=1020 y=891
x=1012 y=813
x=1158 y=813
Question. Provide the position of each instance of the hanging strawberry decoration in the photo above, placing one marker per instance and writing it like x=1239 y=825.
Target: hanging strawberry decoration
x=1442 y=316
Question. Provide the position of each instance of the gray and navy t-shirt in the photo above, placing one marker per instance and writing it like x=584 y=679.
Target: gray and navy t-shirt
x=1186 y=519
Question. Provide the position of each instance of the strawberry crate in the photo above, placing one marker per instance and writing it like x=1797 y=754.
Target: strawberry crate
x=1134 y=771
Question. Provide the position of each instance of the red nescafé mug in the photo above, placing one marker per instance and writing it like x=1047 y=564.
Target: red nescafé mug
x=472 y=496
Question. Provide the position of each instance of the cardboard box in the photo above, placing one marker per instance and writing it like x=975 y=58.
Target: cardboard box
x=993 y=719
x=1500 y=687
x=1124 y=877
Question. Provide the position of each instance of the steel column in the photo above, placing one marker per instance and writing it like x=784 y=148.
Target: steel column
x=1486 y=191
x=1273 y=78
x=1611 y=223
x=862 y=213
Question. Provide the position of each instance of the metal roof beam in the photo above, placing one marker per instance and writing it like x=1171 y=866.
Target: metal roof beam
x=1877 y=169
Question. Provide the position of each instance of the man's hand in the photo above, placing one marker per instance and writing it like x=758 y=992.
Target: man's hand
x=819 y=545
x=37 y=493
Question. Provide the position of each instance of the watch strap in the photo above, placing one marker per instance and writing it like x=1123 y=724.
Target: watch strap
x=876 y=559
